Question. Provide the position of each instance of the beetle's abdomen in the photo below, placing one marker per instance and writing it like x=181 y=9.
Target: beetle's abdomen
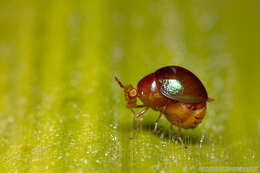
x=149 y=93
x=185 y=115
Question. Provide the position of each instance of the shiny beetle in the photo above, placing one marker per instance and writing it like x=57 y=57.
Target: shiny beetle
x=173 y=91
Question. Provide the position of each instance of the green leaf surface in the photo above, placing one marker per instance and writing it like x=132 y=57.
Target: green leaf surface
x=62 y=111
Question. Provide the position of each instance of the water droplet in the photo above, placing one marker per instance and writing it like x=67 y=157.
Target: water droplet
x=201 y=141
x=80 y=171
x=163 y=144
x=114 y=138
x=94 y=153
x=253 y=156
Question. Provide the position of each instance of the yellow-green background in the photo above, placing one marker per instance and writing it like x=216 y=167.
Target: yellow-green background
x=62 y=111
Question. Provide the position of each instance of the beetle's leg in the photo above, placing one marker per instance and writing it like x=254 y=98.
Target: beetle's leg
x=180 y=139
x=135 y=125
x=156 y=123
x=210 y=99
x=158 y=119
x=141 y=113
x=139 y=106
x=136 y=116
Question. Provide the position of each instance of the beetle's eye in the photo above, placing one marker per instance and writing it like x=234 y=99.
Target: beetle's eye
x=132 y=93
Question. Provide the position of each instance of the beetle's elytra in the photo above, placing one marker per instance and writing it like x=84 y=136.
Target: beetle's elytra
x=173 y=91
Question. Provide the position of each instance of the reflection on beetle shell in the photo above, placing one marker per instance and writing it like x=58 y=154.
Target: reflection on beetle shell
x=171 y=86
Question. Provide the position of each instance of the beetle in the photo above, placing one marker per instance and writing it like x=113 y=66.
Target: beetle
x=175 y=92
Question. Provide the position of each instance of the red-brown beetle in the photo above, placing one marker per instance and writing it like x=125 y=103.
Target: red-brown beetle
x=173 y=91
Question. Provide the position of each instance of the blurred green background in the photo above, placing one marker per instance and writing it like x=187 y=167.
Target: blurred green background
x=62 y=111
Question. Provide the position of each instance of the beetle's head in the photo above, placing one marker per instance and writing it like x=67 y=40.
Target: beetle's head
x=130 y=91
x=130 y=94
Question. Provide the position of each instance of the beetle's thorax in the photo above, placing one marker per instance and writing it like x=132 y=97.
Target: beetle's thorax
x=149 y=93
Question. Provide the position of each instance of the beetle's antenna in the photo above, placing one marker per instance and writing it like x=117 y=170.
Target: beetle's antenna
x=119 y=83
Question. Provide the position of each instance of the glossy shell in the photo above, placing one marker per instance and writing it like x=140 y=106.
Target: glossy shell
x=149 y=93
x=180 y=84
